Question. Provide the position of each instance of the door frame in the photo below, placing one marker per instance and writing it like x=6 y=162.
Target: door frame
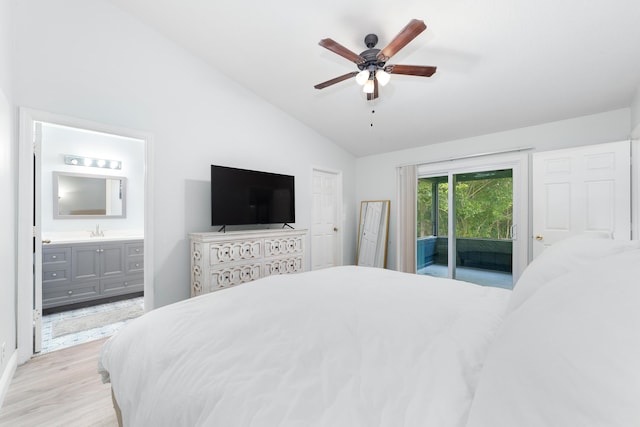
x=635 y=188
x=26 y=231
x=518 y=162
x=339 y=214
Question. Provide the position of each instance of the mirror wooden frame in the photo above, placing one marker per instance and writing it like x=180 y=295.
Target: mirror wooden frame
x=373 y=233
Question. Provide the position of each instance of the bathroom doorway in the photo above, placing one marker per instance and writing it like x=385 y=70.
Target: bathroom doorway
x=91 y=217
x=90 y=247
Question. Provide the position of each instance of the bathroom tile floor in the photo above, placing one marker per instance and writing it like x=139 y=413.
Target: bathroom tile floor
x=49 y=343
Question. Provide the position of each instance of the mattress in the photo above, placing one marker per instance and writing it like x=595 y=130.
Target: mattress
x=346 y=346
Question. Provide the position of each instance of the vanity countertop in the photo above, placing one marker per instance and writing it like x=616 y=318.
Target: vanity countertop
x=85 y=237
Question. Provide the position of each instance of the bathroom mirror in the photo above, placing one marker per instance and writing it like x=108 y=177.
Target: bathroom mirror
x=78 y=195
x=373 y=233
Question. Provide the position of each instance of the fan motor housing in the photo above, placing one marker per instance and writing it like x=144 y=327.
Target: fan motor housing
x=370 y=40
x=370 y=55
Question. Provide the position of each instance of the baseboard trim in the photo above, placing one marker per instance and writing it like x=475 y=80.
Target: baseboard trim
x=7 y=375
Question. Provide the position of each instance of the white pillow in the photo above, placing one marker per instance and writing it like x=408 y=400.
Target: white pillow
x=570 y=355
x=567 y=255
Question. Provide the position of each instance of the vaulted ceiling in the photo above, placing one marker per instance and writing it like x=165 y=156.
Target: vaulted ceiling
x=502 y=64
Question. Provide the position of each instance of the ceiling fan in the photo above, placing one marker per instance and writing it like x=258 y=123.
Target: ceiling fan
x=372 y=63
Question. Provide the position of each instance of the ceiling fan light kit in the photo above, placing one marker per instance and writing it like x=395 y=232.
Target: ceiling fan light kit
x=383 y=77
x=362 y=77
x=369 y=86
x=372 y=63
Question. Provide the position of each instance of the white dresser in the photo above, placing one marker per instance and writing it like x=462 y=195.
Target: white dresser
x=221 y=260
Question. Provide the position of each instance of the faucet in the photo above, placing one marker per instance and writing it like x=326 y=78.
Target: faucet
x=97 y=232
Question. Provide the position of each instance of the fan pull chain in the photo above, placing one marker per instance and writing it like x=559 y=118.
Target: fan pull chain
x=373 y=110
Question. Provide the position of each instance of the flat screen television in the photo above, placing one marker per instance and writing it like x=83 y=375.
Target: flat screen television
x=242 y=197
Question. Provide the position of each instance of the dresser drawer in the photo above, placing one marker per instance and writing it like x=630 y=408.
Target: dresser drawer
x=122 y=286
x=283 y=266
x=56 y=255
x=55 y=275
x=53 y=295
x=228 y=252
x=227 y=277
x=283 y=246
x=134 y=249
x=134 y=265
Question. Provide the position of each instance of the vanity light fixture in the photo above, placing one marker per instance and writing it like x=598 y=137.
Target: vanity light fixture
x=92 y=162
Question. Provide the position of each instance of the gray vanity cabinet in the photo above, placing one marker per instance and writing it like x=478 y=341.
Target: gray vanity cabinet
x=133 y=265
x=97 y=261
x=80 y=272
x=134 y=258
x=56 y=265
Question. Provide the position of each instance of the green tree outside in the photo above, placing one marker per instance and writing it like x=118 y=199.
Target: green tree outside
x=484 y=207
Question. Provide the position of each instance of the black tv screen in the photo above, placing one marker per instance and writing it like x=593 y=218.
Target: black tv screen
x=241 y=196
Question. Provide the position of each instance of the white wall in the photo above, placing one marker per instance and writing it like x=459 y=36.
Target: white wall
x=8 y=241
x=635 y=174
x=58 y=141
x=635 y=114
x=88 y=59
x=376 y=175
x=8 y=173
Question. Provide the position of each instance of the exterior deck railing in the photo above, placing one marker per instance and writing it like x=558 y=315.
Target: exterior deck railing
x=488 y=254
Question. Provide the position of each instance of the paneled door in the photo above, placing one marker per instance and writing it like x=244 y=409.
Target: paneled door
x=325 y=215
x=583 y=189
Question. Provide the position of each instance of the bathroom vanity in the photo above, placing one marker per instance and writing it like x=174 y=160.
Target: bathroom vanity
x=88 y=270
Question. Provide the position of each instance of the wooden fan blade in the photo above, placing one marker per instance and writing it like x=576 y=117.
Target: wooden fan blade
x=411 y=70
x=336 y=47
x=336 y=80
x=374 y=95
x=408 y=33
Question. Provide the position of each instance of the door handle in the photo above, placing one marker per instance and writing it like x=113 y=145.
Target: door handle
x=539 y=238
x=335 y=228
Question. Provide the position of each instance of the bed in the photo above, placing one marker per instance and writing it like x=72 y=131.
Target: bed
x=357 y=346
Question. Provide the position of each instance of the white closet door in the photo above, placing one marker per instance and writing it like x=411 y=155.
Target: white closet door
x=584 y=189
x=325 y=240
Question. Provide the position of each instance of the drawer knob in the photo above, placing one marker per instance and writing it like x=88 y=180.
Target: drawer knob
x=137 y=265
x=126 y=283
x=137 y=249
x=53 y=257
x=69 y=292
x=54 y=274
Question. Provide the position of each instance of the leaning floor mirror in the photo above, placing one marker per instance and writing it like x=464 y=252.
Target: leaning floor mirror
x=373 y=233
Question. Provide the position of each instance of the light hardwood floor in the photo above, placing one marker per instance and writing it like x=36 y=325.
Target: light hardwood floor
x=61 y=388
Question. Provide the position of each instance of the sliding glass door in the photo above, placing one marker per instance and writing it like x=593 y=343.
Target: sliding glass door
x=432 y=226
x=465 y=225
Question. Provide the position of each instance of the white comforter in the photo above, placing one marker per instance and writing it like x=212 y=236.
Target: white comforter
x=348 y=346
